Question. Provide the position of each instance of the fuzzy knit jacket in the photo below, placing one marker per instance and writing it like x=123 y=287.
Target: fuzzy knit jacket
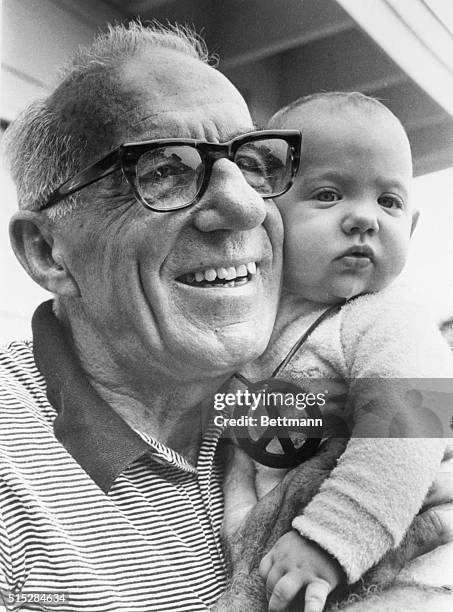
x=384 y=355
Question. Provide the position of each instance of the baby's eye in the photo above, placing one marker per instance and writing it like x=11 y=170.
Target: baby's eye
x=327 y=195
x=390 y=200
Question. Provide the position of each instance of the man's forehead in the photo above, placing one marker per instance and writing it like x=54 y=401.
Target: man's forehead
x=219 y=123
x=176 y=95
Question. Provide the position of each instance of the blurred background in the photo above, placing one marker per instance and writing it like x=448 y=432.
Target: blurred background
x=274 y=51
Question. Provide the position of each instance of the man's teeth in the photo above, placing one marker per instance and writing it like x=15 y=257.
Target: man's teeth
x=228 y=277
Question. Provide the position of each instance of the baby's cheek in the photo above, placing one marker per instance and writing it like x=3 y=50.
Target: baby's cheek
x=294 y=249
x=392 y=265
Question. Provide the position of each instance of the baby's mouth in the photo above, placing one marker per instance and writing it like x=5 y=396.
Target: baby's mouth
x=358 y=252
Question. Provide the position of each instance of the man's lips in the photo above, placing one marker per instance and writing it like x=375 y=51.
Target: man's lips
x=223 y=276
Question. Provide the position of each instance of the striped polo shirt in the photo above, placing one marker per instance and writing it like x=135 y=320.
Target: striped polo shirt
x=94 y=516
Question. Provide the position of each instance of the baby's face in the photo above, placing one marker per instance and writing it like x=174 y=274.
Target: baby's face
x=347 y=218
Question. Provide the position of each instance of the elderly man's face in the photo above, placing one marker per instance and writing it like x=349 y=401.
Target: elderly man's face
x=131 y=264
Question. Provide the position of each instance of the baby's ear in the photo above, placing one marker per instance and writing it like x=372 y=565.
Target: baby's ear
x=415 y=217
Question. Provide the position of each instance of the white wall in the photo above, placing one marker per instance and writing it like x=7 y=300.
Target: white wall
x=37 y=37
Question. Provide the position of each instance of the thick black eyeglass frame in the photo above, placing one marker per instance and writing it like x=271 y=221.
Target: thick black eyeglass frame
x=126 y=156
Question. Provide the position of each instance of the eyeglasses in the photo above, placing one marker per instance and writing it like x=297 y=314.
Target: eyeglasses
x=169 y=174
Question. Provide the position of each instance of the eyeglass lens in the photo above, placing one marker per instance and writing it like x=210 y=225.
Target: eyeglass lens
x=265 y=164
x=172 y=176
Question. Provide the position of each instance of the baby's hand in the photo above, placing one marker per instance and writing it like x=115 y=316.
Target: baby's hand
x=294 y=563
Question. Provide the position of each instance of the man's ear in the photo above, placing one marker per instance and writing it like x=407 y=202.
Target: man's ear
x=415 y=217
x=33 y=244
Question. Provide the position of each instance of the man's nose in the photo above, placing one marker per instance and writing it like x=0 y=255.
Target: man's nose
x=229 y=202
x=361 y=218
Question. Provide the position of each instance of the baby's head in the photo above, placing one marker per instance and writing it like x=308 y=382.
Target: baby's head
x=348 y=218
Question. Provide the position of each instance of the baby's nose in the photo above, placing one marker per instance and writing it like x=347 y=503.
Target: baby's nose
x=361 y=219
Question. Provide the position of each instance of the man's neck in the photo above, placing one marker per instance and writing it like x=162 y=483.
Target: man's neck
x=175 y=415
x=171 y=410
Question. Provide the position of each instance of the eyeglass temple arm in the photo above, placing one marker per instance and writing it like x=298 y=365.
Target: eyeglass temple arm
x=90 y=175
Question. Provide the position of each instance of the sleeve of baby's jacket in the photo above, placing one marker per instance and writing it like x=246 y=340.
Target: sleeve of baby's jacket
x=400 y=371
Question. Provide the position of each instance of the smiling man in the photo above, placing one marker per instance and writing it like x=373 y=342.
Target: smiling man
x=146 y=210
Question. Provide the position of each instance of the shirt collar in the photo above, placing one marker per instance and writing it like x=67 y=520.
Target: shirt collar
x=95 y=435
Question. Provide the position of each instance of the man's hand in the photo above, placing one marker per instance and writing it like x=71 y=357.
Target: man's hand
x=295 y=563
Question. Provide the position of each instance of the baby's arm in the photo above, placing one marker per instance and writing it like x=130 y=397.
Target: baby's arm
x=366 y=505
x=364 y=508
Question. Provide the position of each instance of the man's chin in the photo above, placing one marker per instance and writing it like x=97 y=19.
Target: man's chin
x=221 y=352
x=242 y=343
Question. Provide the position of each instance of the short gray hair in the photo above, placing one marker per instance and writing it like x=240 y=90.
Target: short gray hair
x=51 y=140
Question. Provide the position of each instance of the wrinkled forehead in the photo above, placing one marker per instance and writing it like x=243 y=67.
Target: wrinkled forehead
x=158 y=93
x=175 y=95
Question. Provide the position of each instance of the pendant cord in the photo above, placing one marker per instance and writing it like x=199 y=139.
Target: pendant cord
x=303 y=338
x=241 y=378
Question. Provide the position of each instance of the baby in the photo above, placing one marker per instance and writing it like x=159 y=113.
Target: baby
x=348 y=221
